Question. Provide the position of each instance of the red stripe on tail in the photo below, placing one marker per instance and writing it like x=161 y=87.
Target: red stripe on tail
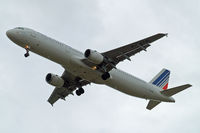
x=165 y=87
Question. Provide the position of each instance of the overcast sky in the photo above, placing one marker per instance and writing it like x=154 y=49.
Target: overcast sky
x=100 y=25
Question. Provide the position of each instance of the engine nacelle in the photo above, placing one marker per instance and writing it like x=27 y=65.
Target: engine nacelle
x=94 y=56
x=54 y=80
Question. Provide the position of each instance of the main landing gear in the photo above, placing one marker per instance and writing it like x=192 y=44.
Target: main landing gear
x=27 y=48
x=79 y=91
x=105 y=76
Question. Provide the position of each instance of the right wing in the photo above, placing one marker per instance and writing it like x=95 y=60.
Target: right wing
x=72 y=83
x=125 y=52
x=117 y=55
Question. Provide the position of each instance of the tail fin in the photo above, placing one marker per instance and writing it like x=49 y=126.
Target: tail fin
x=161 y=79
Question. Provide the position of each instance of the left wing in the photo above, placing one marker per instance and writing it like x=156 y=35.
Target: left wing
x=73 y=83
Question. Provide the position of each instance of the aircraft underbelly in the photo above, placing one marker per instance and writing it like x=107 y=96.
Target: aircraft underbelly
x=119 y=80
x=129 y=85
x=77 y=68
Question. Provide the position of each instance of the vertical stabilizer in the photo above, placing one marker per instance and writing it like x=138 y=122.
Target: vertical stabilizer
x=161 y=79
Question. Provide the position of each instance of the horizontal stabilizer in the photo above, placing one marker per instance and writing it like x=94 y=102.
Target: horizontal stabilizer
x=168 y=93
x=173 y=91
x=152 y=104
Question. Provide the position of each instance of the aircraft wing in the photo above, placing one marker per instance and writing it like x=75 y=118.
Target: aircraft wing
x=117 y=55
x=125 y=52
x=72 y=83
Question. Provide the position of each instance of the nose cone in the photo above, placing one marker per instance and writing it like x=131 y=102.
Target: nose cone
x=17 y=36
x=10 y=34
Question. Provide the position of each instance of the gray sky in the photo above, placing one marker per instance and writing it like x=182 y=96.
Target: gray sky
x=100 y=25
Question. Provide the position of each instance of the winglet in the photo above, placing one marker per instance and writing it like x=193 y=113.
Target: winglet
x=50 y=103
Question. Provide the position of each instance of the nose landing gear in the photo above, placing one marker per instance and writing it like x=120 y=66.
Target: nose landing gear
x=27 y=48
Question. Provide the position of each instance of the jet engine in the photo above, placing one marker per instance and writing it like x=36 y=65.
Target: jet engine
x=94 y=56
x=54 y=80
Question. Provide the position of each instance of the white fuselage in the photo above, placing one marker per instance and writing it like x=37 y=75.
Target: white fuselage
x=70 y=59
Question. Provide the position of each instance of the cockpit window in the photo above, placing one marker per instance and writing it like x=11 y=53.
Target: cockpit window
x=20 y=28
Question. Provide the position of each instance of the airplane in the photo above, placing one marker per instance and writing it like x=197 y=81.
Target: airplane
x=92 y=66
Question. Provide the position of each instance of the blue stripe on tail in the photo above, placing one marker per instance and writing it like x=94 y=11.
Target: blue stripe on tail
x=163 y=77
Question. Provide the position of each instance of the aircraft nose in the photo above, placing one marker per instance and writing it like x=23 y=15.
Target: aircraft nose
x=10 y=34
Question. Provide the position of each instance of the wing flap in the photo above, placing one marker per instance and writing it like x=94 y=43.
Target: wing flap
x=58 y=93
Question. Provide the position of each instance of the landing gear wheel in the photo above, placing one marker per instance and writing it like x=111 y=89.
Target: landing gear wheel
x=81 y=90
x=27 y=51
x=78 y=93
x=26 y=55
x=105 y=76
